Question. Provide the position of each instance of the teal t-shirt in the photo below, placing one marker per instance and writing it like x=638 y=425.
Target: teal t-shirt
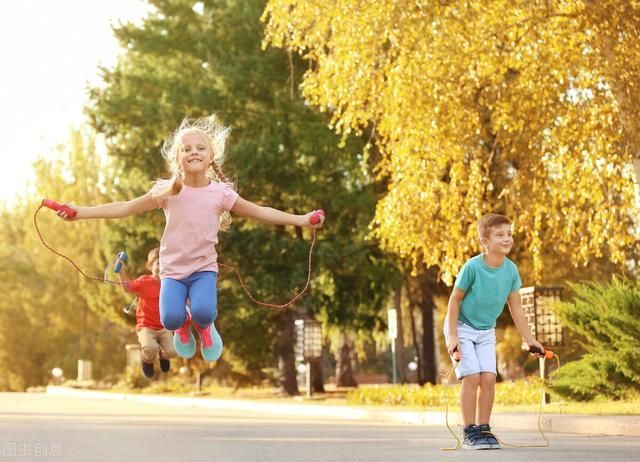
x=486 y=290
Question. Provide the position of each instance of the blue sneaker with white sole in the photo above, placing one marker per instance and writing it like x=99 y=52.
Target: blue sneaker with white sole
x=474 y=438
x=183 y=340
x=485 y=429
x=210 y=342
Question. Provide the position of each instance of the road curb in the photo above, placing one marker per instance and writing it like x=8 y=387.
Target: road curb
x=553 y=423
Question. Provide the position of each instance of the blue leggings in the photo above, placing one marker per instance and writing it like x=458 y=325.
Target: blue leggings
x=200 y=288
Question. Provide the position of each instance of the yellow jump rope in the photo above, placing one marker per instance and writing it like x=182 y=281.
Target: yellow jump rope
x=547 y=354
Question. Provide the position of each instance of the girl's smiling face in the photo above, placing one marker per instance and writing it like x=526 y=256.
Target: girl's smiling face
x=194 y=156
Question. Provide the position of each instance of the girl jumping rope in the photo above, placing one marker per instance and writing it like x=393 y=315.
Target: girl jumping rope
x=196 y=201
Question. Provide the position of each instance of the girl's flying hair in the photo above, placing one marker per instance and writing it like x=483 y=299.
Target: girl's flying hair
x=215 y=135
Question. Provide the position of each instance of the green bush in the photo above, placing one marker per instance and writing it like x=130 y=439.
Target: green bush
x=589 y=378
x=607 y=316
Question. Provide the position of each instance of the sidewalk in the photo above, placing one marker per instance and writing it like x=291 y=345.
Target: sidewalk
x=551 y=423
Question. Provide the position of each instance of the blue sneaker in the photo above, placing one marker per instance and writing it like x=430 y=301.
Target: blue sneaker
x=485 y=429
x=474 y=439
x=210 y=342
x=183 y=340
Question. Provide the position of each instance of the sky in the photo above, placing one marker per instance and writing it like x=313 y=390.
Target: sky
x=50 y=52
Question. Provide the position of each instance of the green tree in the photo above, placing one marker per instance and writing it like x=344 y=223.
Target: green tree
x=45 y=320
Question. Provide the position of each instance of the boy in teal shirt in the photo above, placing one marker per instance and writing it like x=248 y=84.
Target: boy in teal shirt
x=484 y=284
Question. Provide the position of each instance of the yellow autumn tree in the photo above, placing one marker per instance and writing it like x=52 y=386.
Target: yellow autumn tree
x=50 y=316
x=527 y=108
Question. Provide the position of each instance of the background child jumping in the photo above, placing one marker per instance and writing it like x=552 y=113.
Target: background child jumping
x=482 y=287
x=153 y=337
x=196 y=200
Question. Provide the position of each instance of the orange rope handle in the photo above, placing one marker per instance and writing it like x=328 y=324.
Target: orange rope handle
x=235 y=271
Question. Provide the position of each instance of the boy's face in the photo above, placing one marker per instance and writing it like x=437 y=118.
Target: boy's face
x=154 y=266
x=500 y=240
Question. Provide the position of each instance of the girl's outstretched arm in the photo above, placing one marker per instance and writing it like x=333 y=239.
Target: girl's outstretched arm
x=112 y=209
x=245 y=208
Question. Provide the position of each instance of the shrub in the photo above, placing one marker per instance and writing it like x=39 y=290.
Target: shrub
x=607 y=316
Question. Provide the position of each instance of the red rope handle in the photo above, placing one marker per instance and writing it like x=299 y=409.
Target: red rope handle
x=235 y=271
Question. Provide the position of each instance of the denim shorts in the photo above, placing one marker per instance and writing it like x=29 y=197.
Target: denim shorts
x=477 y=350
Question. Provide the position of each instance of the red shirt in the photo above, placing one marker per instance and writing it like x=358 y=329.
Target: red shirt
x=148 y=313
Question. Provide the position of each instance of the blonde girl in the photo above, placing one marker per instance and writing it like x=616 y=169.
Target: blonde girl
x=196 y=201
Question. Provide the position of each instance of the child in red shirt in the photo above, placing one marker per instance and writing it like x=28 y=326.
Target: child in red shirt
x=153 y=337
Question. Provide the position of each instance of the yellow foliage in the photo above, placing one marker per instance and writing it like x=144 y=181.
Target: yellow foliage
x=527 y=108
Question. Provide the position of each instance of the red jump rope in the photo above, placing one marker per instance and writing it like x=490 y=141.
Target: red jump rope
x=53 y=205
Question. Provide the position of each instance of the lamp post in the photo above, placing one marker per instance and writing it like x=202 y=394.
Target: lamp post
x=57 y=374
x=85 y=371
x=308 y=346
x=392 y=316
x=543 y=322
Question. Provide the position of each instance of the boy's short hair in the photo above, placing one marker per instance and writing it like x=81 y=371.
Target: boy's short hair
x=154 y=255
x=489 y=221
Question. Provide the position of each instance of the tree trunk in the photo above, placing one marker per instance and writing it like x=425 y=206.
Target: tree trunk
x=428 y=339
x=421 y=292
x=345 y=367
x=286 y=359
x=317 y=381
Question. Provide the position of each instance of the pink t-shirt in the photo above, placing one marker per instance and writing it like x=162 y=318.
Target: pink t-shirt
x=191 y=232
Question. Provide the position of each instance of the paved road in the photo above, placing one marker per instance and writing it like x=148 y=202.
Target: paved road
x=39 y=427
